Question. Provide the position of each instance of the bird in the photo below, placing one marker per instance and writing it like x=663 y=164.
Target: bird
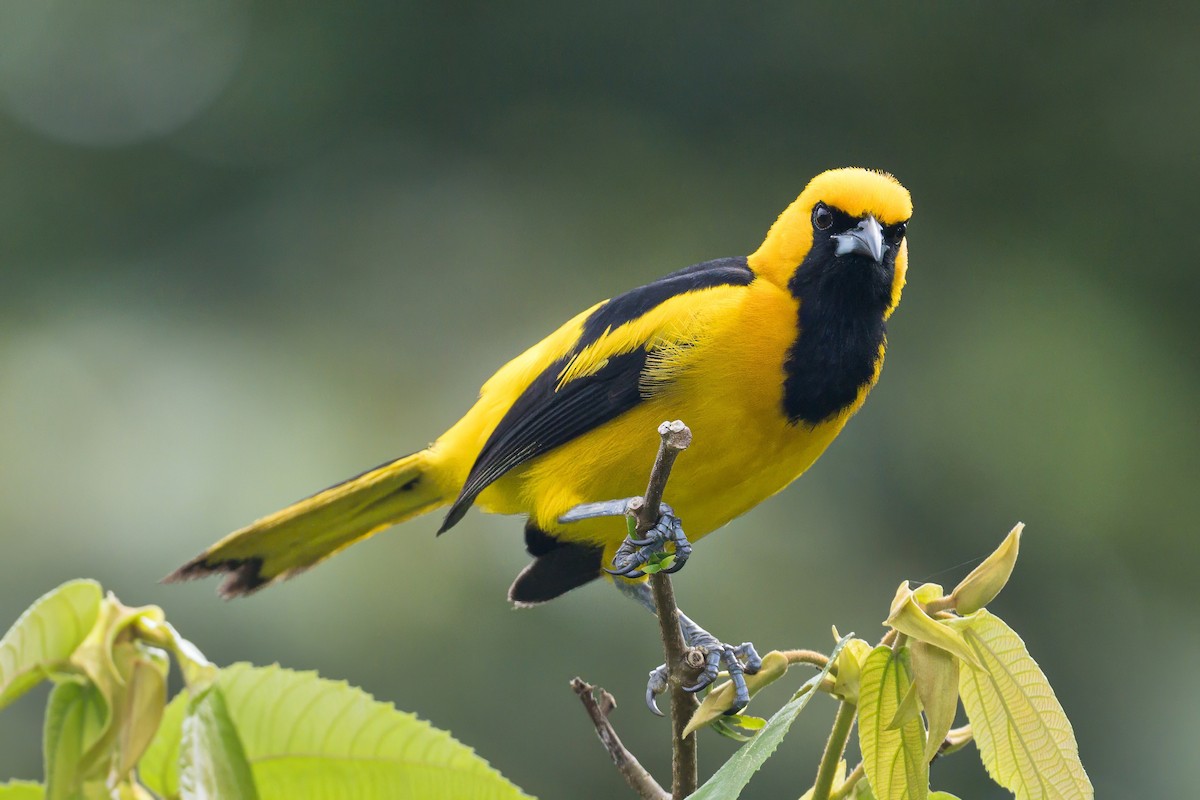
x=765 y=356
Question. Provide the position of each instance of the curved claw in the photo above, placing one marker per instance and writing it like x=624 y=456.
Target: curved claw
x=627 y=572
x=676 y=566
x=652 y=703
x=656 y=685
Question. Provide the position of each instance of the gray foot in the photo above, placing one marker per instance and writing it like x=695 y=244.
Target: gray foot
x=738 y=661
x=635 y=553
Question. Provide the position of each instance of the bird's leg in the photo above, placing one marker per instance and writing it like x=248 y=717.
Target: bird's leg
x=738 y=661
x=635 y=553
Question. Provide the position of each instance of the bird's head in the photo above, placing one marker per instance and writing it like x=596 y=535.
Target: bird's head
x=848 y=222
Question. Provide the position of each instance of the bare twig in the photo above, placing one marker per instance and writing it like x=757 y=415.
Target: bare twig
x=598 y=709
x=676 y=437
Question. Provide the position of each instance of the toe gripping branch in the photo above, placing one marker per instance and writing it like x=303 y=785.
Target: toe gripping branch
x=634 y=553
x=738 y=661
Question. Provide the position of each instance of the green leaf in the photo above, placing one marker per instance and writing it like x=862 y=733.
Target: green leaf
x=849 y=669
x=735 y=773
x=941 y=796
x=159 y=767
x=893 y=757
x=212 y=762
x=719 y=700
x=1021 y=730
x=76 y=720
x=22 y=790
x=309 y=737
x=198 y=671
x=140 y=702
x=42 y=640
x=658 y=562
x=935 y=675
x=908 y=617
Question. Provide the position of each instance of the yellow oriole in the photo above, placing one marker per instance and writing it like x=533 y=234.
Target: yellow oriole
x=765 y=357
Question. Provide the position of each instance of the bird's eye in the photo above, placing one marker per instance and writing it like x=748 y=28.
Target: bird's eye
x=822 y=217
x=896 y=234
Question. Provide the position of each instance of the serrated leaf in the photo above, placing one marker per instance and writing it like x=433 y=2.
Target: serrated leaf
x=22 y=790
x=159 y=767
x=43 y=638
x=212 y=761
x=735 y=773
x=76 y=720
x=893 y=758
x=307 y=737
x=720 y=699
x=1023 y=735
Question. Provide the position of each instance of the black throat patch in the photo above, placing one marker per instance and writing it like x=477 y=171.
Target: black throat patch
x=840 y=327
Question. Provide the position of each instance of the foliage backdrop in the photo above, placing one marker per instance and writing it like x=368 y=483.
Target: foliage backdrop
x=252 y=248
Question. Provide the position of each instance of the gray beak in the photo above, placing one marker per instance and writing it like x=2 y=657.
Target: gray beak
x=865 y=240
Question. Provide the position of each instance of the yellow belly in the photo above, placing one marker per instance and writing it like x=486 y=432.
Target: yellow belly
x=744 y=448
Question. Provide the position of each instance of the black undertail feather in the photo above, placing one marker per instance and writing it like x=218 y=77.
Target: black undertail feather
x=841 y=328
x=557 y=568
x=548 y=415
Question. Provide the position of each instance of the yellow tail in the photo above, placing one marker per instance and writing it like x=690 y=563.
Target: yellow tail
x=305 y=533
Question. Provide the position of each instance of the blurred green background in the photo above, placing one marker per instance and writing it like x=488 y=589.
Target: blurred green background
x=252 y=248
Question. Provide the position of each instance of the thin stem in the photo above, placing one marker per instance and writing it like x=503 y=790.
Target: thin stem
x=834 y=749
x=684 y=770
x=848 y=785
x=956 y=739
x=635 y=774
x=818 y=660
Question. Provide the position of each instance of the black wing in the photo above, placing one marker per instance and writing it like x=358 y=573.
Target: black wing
x=547 y=415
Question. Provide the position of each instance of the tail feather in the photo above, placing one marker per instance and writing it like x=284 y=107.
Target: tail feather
x=295 y=538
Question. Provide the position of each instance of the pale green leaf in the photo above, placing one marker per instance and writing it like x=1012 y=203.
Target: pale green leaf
x=849 y=668
x=862 y=790
x=44 y=637
x=720 y=699
x=985 y=581
x=942 y=796
x=306 y=737
x=76 y=720
x=893 y=757
x=735 y=773
x=935 y=675
x=908 y=617
x=1023 y=735
x=159 y=767
x=22 y=790
x=212 y=762
x=198 y=671
x=140 y=703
